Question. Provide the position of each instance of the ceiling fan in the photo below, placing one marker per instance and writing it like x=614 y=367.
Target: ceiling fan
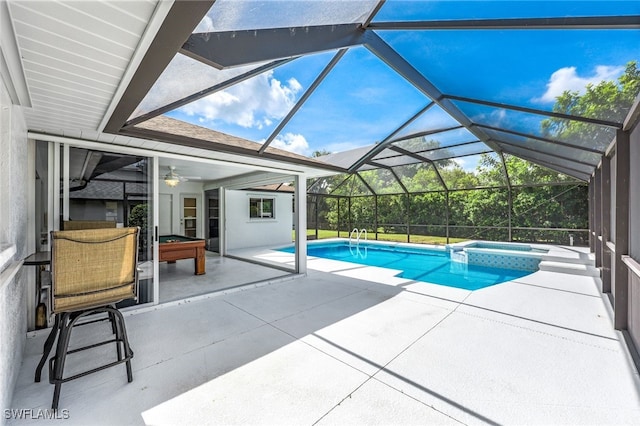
x=173 y=179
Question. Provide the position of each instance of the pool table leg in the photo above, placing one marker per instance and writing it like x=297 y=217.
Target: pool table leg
x=199 y=261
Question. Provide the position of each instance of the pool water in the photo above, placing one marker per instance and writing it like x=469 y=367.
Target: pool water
x=419 y=264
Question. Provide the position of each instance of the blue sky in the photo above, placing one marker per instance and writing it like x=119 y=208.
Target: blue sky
x=362 y=100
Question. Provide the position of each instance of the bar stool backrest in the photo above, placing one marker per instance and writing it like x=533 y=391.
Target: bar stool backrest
x=93 y=267
x=74 y=225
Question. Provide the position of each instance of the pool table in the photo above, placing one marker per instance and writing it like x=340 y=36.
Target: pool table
x=177 y=247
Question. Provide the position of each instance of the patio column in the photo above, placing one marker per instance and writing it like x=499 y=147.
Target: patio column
x=66 y=182
x=54 y=190
x=621 y=292
x=300 y=222
x=597 y=189
x=606 y=223
x=592 y=244
x=222 y=221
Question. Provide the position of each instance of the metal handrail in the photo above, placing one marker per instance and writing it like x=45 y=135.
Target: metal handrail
x=358 y=233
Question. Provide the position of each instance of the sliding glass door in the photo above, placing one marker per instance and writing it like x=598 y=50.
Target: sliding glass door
x=81 y=188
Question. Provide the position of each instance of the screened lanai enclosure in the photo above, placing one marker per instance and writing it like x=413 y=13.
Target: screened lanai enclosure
x=439 y=202
x=449 y=120
x=435 y=120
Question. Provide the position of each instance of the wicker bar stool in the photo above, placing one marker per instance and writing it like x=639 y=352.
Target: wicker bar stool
x=91 y=271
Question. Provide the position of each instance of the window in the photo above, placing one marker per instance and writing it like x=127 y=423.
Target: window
x=261 y=208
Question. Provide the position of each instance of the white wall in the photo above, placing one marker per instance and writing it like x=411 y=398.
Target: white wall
x=14 y=216
x=243 y=232
x=190 y=188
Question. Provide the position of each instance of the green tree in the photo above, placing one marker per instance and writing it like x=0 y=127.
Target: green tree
x=139 y=217
x=607 y=100
x=320 y=153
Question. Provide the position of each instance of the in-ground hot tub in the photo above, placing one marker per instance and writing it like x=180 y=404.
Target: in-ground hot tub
x=518 y=256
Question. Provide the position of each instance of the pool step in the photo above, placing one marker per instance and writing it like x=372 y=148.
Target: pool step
x=582 y=260
x=569 y=268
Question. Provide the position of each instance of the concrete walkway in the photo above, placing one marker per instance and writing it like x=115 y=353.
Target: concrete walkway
x=333 y=349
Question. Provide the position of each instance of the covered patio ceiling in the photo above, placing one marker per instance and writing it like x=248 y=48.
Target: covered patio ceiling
x=379 y=84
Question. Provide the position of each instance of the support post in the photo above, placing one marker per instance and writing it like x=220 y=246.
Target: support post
x=592 y=243
x=300 y=196
x=597 y=188
x=605 y=214
x=446 y=199
x=349 y=216
x=510 y=207
x=509 y=194
x=408 y=218
x=222 y=221
x=66 y=181
x=55 y=193
x=621 y=285
x=375 y=221
x=317 y=198
x=338 y=215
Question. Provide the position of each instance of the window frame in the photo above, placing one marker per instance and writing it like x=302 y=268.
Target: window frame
x=259 y=213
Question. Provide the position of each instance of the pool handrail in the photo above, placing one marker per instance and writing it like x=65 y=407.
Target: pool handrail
x=358 y=233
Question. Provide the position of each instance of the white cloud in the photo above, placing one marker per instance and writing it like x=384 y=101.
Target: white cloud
x=292 y=142
x=498 y=116
x=568 y=79
x=205 y=26
x=494 y=118
x=253 y=103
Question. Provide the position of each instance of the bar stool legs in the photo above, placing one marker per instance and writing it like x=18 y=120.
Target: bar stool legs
x=64 y=323
x=48 y=345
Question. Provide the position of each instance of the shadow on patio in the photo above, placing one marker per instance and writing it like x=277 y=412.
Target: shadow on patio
x=178 y=348
x=332 y=349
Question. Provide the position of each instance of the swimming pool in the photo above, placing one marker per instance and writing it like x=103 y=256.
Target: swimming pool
x=416 y=263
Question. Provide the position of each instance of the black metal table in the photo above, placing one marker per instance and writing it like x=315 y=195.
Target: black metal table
x=39 y=259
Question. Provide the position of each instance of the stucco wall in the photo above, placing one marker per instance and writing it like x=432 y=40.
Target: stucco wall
x=14 y=218
x=243 y=232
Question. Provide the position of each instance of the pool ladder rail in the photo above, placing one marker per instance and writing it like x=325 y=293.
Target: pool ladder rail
x=358 y=233
x=358 y=253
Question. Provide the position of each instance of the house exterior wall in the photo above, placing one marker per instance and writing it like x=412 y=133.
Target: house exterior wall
x=244 y=232
x=14 y=215
x=92 y=210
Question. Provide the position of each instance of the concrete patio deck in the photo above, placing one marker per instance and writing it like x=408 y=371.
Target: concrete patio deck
x=330 y=348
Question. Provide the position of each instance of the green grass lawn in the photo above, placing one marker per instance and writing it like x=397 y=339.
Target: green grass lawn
x=419 y=239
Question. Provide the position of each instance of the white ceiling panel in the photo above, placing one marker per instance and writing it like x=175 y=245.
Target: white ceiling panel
x=99 y=64
x=71 y=75
x=74 y=55
x=56 y=102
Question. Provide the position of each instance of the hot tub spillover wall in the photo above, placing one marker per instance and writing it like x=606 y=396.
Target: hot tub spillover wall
x=522 y=257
